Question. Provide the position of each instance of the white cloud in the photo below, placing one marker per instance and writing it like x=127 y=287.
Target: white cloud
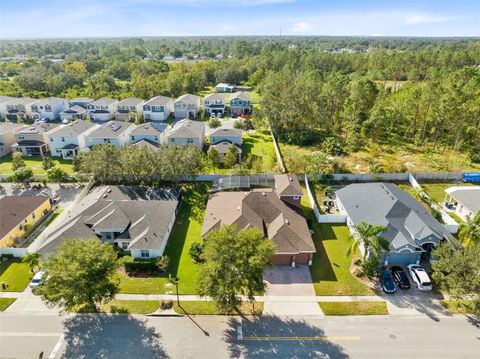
x=301 y=26
x=414 y=19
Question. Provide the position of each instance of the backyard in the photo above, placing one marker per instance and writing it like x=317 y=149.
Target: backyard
x=186 y=230
x=35 y=163
x=330 y=270
x=15 y=274
x=436 y=191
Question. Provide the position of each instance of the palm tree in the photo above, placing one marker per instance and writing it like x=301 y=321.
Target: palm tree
x=470 y=231
x=370 y=236
x=32 y=259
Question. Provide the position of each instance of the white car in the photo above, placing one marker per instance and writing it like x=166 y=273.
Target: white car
x=420 y=277
x=37 y=279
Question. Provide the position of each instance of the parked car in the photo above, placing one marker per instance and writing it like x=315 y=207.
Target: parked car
x=400 y=278
x=37 y=279
x=386 y=279
x=420 y=277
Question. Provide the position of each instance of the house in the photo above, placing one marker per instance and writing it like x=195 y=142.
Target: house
x=8 y=133
x=135 y=219
x=149 y=134
x=214 y=104
x=240 y=103
x=19 y=108
x=265 y=209
x=68 y=140
x=129 y=106
x=49 y=108
x=3 y=107
x=157 y=108
x=116 y=133
x=18 y=214
x=103 y=109
x=73 y=113
x=223 y=138
x=187 y=106
x=187 y=132
x=466 y=199
x=81 y=101
x=412 y=232
x=223 y=87
x=32 y=140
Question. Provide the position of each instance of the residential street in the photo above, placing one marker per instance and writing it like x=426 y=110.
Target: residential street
x=121 y=336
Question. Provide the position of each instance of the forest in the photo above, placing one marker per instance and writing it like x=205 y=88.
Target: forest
x=335 y=95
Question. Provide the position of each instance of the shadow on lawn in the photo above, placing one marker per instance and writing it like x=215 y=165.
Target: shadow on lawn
x=272 y=336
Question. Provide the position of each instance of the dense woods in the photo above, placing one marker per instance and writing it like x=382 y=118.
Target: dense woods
x=340 y=93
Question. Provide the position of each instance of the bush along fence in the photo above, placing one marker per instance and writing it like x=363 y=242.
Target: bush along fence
x=322 y=218
x=370 y=177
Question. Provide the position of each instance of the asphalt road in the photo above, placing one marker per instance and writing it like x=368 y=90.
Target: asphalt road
x=123 y=336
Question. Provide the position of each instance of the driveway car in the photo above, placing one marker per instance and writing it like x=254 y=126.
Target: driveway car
x=420 y=277
x=37 y=279
x=400 y=278
x=388 y=285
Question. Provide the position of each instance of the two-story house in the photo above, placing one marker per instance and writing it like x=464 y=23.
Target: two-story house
x=19 y=108
x=73 y=113
x=116 y=133
x=187 y=106
x=68 y=140
x=129 y=109
x=8 y=133
x=223 y=138
x=240 y=103
x=157 y=108
x=214 y=104
x=81 y=101
x=3 y=105
x=149 y=134
x=33 y=139
x=187 y=132
x=49 y=108
x=103 y=109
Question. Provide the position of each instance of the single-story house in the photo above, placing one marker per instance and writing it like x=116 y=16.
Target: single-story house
x=73 y=113
x=69 y=139
x=32 y=140
x=134 y=218
x=157 y=108
x=187 y=132
x=223 y=87
x=149 y=134
x=17 y=213
x=274 y=211
x=214 y=104
x=8 y=132
x=103 y=109
x=240 y=103
x=116 y=133
x=49 y=108
x=128 y=106
x=467 y=200
x=187 y=106
x=410 y=228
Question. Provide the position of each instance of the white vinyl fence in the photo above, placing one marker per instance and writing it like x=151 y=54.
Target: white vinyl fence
x=322 y=218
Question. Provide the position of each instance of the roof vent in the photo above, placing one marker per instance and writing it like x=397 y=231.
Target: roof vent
x=264 y=194
x=238 y=208
x=109 y=190
x=286 y=221
x=105 y=195
x=291 y=179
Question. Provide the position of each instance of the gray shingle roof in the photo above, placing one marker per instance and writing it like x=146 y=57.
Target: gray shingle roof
x=104 y=101
x=469 y=197
x=77 y=109
x=241 y=95
x=189 y=98
x=158 y=101
x=215 y=96
x=39 y=127
x=149 y=128
x=74 y=128
x=187 y=128
x=50 y=101
x=227 y=132
x=222 y=147
x=143 y=216
x=131 y=101
x=407 y=221
x=10 y=127
x=110 y=129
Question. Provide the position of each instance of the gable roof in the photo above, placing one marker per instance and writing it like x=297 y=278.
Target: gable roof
x=50 y=101
x=39 y=127
x=104 y=101
x=21 y=101
x=77 y=109
x=147 y=143
x=262 y=209
x=214 y=96
x=131 y=101
x=469 y=196
x=187 y=128
x=222 y=147
x=407 y=221
x=222 y=131
x=189 y=98
x=110 y=129
x=149 y=128
x=10 y=127
x=74 y=128
x=158 y=101
x=243 y=95
x=288 y=185
x=5 y=99
x=14 y=209
x=143 y=215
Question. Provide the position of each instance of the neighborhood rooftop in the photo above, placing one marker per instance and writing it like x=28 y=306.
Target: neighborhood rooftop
x=188 y=98
x=39 y=127
x=187 y=128
x=469 y=197
x=110 y=129
x=149 y=128
x=158 y=101
x=104 y=101
x=74 y=128
x=226 y=132
x=131 y=101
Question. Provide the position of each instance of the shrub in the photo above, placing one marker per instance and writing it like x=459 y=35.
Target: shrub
x=332 y=146
x=17 y=161
x=22 y=174
x=56 y=174
x=369 y=266
x=162 y=263
x=214 y=122
x=47 y=163
x=196 y=251
x=166 y=304
x=144 y=265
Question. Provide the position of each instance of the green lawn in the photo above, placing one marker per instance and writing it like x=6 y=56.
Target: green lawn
x=436 y=191
x=457 y=306
x=5 y=303
x=330 y=269
x=210 y=308
x=260 y=145
x=354 y=308
x=15 y=274
x=124 y=307
x=187 y=229
x=35 y=163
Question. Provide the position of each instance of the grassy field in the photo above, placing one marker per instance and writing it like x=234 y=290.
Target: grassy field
x=330 y=270
x=186 y=230
x=354 y=308
x=35 y=163
x=15 y=274
x=260 y=145
x=124 y=307
x=436 y=191
x=5 y=303
x=210 y=308
x=457 y=306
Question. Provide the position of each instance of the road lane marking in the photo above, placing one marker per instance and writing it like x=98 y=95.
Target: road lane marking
x=320 y=338
x=57 y=346
x=18 y=334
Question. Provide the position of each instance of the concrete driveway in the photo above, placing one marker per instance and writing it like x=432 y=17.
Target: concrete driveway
x=285 y=281
x=28 y=303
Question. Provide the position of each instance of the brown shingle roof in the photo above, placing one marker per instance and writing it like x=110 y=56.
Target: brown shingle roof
x=288 y=185
x=14 y=209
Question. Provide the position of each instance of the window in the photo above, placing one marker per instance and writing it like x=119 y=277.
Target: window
x=145 y=253
x=108 y=235
x=21 y=137
x=33 y=215
x=124 y=245
x=133 y=138
x=156 y=138
x=189 y=140
x=106 y=140
x=63 y=139
x=171 y=140
x=20 y=227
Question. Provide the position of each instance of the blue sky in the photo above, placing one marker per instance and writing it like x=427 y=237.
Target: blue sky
x=100 y=18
